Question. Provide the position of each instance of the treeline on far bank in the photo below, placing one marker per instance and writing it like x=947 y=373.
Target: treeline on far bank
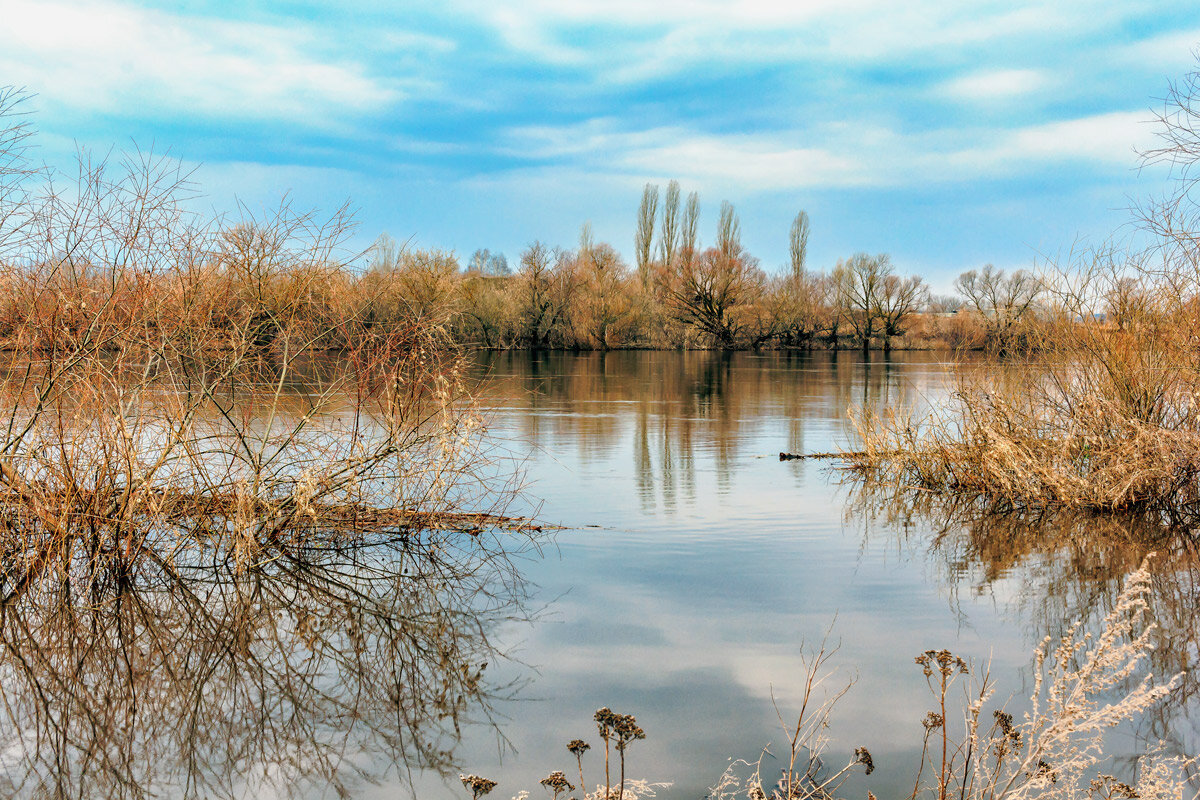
x=681 y=294
x=284 y=279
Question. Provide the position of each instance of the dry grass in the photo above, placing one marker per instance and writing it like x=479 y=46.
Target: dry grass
x=171 y=380
x=1106 y=414
x=1103 y=419
x=252 y=535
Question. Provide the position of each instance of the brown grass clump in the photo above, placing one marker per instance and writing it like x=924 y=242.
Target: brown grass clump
x=1103 y=418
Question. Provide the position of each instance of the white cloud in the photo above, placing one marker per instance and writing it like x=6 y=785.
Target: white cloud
x=1103 y=142
x=1108 y=141
x=643 y=41
x=418 y=42
x=766 y=161
x=837 y=155
x=1174 y=52
x=1000 y=84
x=110 y=57
x=526 y=34
x=763 y=162
x=1111 y=138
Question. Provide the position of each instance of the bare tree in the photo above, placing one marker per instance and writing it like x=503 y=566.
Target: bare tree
x=1001 y=300
x=1178 y=130
x=899 y=298
x=479 y=260
x=669 y=234
x=859 y=282
x=549 y=279
x=834 y=305
x=485 y=306
x=690 y=241
x=798 y=244
x=643 y=240
x=729 y=231
x=537 y=261
x=1127 y=301
x=15 y=169
x=1173 y=220
x=792 y=311
x=587 y=241
x=711 y=290
x=606 y=299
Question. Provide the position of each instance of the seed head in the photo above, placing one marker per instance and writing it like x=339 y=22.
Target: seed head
x=627 y=730
x=946 y=663
x=557 y=782
x=1115 y=787
x=604 y=722
x=863 y=756
x=1004 y=721
x=478 y=786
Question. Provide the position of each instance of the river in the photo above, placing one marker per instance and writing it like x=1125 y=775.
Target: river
x=695 y=569
x=688 y=574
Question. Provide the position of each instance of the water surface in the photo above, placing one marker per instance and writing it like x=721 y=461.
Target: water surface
x=692 y=573
x=695 y=567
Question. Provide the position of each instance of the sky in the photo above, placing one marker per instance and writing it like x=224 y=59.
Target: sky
x=947 y=134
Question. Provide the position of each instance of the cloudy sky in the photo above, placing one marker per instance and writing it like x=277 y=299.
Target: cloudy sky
x=948 y=134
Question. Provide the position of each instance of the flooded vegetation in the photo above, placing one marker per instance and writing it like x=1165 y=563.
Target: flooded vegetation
x=244 y=551
x=1101 y=412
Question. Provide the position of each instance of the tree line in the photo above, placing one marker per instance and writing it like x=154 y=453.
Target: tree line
x=271 y=278
x=680 y=293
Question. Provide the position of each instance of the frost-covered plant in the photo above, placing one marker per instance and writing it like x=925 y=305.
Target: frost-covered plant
x=557 y=783
x=477 y=785
x=621 y=728
x=1082 y=689
x=1078 y=695
x=633 y=790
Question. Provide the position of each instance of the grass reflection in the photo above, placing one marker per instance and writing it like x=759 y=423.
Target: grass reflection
x=1058 y=566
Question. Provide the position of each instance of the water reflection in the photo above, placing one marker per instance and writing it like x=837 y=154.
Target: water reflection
x=1058 y=567
x=678 y=408
x=697 y=562
x=333 y=664
x=338 y=665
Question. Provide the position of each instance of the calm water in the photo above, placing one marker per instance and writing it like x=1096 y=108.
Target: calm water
x=694 y=565
x=691 y=569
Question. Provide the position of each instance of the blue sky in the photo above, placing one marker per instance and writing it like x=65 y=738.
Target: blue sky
x=947 y=134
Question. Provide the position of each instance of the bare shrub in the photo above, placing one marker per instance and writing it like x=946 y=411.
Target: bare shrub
x=168 y=379
x=243 y=520
x=714 y=290
x=1002 y=301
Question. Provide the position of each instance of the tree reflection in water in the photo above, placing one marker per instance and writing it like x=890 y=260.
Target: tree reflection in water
x=331 y=664
x=689 y=410
x=1068 y=566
